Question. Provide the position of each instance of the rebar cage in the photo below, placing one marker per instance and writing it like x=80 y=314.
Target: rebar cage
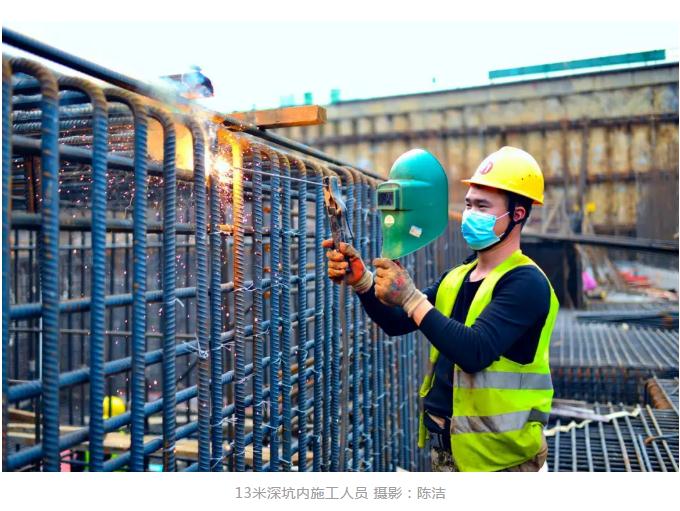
x=150 y=254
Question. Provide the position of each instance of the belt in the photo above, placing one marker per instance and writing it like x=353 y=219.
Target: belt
x=440 y=442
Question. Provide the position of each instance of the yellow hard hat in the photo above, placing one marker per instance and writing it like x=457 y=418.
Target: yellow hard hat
x=116 y=404
x=513 y=170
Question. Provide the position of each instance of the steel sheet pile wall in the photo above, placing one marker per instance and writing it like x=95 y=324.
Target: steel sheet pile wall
x=604 y=362
x=608 y=138
x=152 y=256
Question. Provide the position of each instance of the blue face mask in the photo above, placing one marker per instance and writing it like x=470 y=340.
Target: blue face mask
x=477 y=229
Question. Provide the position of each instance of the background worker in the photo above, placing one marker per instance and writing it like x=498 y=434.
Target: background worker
x=489 y=321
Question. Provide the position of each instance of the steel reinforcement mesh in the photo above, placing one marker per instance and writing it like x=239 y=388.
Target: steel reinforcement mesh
x=153 y=256
x=604 y=362
x=645 y=441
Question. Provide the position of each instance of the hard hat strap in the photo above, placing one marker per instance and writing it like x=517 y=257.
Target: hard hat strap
x=511 y=225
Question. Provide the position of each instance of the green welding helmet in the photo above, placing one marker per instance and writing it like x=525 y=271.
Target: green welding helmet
x=414 y=203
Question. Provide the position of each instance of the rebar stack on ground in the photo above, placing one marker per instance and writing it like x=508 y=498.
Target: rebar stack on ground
x=606 y=362
x=644 y=441
x=659 y=318
x=662 y=393
x=156 y=256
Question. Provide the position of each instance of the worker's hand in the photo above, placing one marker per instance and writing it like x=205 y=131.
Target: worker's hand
x=394 y=286
x=358 y=277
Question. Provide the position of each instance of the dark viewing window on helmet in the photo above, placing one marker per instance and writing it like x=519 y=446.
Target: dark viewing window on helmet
x=386 y=198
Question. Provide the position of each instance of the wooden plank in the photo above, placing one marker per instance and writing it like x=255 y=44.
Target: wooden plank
x=16 y=415
x=306 y=115
x=119 y=442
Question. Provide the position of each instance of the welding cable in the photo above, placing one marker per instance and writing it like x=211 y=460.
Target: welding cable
x=6 y=185
x=48 y=256
x=286 y=457
x=138 y=344
x=98 y=273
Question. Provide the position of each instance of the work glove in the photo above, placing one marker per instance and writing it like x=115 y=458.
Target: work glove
x=394 y=286
x=359 y=277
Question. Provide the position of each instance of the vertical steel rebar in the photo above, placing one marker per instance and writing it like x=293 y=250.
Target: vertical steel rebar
x=320 y=285
x=139 y=318
x=49 y=260
x=216 y=359
x=275 y=317
x=169 y=289
x=302 y=308
x=239 y=265
x=202 y=326
x=98 y=273
x=6 y=186
x=287 y=433
x=258 y=310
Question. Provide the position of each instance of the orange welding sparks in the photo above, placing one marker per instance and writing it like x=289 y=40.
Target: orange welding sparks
x=222 y=170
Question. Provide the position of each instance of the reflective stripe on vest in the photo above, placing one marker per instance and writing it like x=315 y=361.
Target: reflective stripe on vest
x=500 y=423
x=504 y=380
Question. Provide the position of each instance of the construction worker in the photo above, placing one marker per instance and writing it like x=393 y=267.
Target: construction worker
x=488 y=393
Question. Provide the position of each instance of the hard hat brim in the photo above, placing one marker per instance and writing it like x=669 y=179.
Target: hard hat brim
x=472 y=181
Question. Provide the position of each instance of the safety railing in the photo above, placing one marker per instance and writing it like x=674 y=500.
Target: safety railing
x=165 y=304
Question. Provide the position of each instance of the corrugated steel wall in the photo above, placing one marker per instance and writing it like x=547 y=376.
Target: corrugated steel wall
x=617 y=130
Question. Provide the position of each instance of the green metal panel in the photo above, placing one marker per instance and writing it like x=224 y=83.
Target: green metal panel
x=612 y=60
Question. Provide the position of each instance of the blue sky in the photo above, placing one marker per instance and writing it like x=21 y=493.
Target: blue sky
x=254 y=63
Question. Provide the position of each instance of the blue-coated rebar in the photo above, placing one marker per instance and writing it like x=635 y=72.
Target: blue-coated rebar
x=216 y=359
x=354 y=218
x=287 y=433
x=169 y=288
x=344 y=351
x=202 y=326
x=239 y=265
x=98 y=273
x=366 y=354
x=49 y=260
x=258 y=313
x=376 y=345
x=329 y=314
x=362 y=411
x=403 y=406
x=138 y=351
x=319 y=340
x=6 y=184
x=275 y=317
x=302 y=305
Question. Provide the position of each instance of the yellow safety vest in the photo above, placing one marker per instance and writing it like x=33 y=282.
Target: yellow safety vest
x=499 y=412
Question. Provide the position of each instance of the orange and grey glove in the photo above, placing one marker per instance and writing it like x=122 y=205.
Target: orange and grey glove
x=394 y=286
x=358 y=276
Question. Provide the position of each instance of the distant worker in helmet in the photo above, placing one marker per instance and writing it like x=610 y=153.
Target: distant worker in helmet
x=488 y=393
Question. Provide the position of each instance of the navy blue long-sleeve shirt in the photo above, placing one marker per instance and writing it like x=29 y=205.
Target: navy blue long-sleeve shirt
x=509 y=326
